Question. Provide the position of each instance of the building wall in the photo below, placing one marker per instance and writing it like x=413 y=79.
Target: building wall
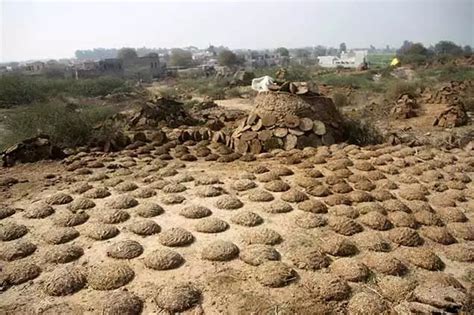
x=35 y=66
x=327 y=61
x=112 y=67
x=144 y=68
x=352 y=59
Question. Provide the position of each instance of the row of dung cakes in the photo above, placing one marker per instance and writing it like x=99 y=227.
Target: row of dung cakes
x=286 y=121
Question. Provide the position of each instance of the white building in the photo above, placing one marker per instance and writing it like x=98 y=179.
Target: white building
x=352 y=59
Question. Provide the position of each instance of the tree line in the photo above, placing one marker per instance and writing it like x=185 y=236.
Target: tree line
x=104 y=53
x=417 y=53
x=409 y=52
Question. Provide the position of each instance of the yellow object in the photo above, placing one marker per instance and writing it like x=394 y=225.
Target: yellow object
x=395 y=62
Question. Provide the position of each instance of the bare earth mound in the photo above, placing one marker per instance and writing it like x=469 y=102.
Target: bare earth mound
x=257 y=254
x=275 y=274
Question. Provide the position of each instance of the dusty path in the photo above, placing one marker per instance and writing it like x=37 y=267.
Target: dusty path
x=327 y=230
x=236 y=103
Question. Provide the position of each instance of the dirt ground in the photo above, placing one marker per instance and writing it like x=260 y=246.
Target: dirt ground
x=355 y=230
x=236 y=103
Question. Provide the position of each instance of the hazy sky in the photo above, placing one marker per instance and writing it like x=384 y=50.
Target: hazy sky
x=54 y=29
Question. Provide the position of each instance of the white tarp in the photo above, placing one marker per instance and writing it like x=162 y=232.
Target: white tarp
x=261 y=84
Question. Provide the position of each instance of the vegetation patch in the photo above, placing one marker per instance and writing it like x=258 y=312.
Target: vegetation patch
x=20 y=90
x=66 y=126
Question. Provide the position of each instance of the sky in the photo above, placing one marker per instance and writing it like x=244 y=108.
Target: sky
x=55 y=29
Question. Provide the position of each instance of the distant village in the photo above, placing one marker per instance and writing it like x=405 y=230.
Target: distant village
x=155 y=64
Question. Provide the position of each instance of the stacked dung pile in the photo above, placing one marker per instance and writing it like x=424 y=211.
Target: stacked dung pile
x=161 y=111
x=157 y=112
x=186 y=133
x=31 y=150
x=282 y=120
x=213 y=116
x=300 y=88
x=404 y=107
x=142 y=123
x=448 y=92
x=455 y=113
x=453 y=116
x=466 y=61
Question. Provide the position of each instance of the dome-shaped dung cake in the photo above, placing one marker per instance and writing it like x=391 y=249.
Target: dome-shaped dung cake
x=177 y=297
x=163 y=259
x=109 y=275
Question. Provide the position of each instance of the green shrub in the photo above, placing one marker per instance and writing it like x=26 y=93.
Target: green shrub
x=340 y=100
x=213 y=91
x=19 y=90
x=293 y=72
x=449 y=72
x=15 y=90
x=214 y=88
x=359 y=80
x=379 y=60
x=361 y=132
x=211 y=87
x=270 y=71
x=96 y=87
x=396 y=88
x=298 y=73
x=233 y=92
x=67 y=126
x=414 y=59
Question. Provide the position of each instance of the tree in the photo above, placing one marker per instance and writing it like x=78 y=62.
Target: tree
x=417 y=49
x=283 y=52
x=211 y=49
x=181 y=58
x=342 y=47
x=445 y=47
x=331 y=51
x=127 y=53
x=414 y=53
x=228 y=58
x=253 y=54
x=405 y=47
x=467 y=50
x=319 y=51
x=301 y=53
x=145 y=51
x=96 y=53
